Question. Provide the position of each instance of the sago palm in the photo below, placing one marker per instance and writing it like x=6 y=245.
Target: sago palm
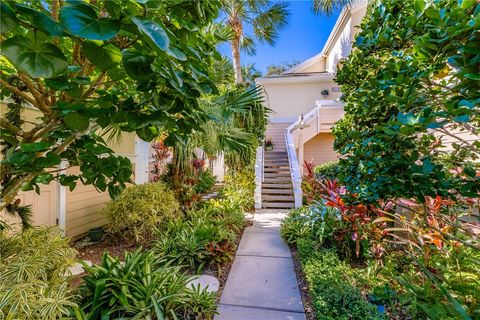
x=264 y=17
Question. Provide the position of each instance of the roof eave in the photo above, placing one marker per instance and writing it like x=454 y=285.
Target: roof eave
x=294 y=79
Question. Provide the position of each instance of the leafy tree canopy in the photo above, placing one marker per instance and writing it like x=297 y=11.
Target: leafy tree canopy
x=124 y=65
x=412 y=91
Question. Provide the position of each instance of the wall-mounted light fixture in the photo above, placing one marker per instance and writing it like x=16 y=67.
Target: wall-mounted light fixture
x=324 y=93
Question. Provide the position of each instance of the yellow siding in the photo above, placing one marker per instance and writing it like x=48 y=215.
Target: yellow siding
x=320 y=149
x=125 y=145
x=44 y=206
x=83 y=209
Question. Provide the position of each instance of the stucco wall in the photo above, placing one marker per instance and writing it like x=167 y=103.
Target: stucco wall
x=320 y=149
x=342 y=44
x=289 y=100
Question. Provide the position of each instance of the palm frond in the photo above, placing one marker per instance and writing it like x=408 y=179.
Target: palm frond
x=267 y=24
x=247 y=44
x=329 y=6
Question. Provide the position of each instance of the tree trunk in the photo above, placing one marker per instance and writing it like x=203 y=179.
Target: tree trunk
x=237 y=67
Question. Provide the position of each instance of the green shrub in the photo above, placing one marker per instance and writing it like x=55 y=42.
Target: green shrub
x=205 y=236
x=206 y=181
x=142 y=287
x=32 y=268
x=328 y=170
x=333 y=296
x=297 y=225
x=240 y=188
x=140 y=210
x=315 y=222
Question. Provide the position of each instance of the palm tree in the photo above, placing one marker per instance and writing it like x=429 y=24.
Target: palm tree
x=263 y=16
x=328 y=6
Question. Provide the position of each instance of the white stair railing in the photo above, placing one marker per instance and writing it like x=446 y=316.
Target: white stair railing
x=294 y=168
x=319 y=119
x=258 y=177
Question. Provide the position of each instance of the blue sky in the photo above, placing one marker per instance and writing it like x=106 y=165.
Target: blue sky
x=303 y=38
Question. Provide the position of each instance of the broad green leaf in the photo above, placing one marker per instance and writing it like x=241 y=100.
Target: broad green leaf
x=462 y=118
x=60 y=84
x=470 y=171
x=154 y=31
x=103 y=56
x=472 y=76
x=76 y=121
x=35 y=146
x=176 y=53
x=38 y=59
x=419 y=5
x=467 y=4
x=148 y=133
x=42 y=21
x=138 y=66
x=8 y=22
x=117 y=73
x=82 y=20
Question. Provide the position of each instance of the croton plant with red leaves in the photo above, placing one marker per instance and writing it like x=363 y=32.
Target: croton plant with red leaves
x=403 y=222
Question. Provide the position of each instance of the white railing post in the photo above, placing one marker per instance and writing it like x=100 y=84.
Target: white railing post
x=258 y=177
x=142 y=149
x=294 y=167
x=62 y=200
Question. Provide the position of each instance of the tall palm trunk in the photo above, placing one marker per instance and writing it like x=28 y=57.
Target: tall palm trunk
x=237 y=67
x=238 y=31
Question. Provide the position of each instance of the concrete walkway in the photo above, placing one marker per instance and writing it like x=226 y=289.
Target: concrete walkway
x=262 y=284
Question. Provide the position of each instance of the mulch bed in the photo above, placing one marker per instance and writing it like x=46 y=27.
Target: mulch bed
x=94 y=251
x=302 y=285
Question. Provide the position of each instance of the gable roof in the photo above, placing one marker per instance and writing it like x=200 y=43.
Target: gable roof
x=336 y=31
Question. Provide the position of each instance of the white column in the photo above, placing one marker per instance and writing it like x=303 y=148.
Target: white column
x=300 y=150
x=62 y=201
x=141 y=161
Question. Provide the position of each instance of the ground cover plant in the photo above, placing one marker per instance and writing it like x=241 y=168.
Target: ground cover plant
x=415 y=269
x=33 y=268
x=332 y=285
x=142 y=286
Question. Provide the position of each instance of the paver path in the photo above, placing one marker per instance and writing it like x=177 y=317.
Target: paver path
x=262 y=284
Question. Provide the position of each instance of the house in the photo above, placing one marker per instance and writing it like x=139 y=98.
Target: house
x=305 y=104
x=77 y=211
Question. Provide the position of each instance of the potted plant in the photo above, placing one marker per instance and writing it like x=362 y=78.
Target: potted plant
x=96 y=234
x=269 y=144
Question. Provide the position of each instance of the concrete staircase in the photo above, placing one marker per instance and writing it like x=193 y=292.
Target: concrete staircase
x=277 y=191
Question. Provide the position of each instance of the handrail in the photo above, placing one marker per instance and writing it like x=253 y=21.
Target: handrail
x=258 y=177
x=294 y=167
x=293 y=162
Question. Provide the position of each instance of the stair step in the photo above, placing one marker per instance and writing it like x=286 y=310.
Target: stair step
x=280 y=205
x=269 y=162
x=278 y=170
x=277 y=191
x=268 y=185
x=277 y=175
x=273 y=198
x=277 y=180
x=276 y=156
